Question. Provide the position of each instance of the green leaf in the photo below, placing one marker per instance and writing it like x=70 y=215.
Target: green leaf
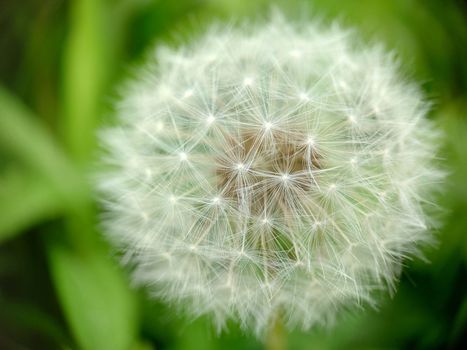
x=24 y=201
x=48 y=182
x=29 y=318
x=86 y=66
x=23 y=137
x=100 y=308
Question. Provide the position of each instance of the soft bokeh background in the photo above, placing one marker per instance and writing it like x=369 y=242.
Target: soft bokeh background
x=60 y=64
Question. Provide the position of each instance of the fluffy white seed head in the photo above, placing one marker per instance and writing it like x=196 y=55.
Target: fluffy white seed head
x=274 y=168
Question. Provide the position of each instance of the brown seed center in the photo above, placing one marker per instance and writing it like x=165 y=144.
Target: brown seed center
x=256 y=170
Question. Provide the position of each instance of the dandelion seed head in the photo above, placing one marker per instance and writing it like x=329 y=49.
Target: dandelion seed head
x=210 y=119
x=248 y=81
x=183 y=156
x=295 y=53
x=188 y=93
x=267 y=126
x=239 y=196
x=159 y=126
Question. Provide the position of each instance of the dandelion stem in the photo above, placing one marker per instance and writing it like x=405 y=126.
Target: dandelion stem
x=276 y=338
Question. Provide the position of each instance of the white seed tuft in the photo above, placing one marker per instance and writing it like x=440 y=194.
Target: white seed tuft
x=183 y=156
x=306 y=167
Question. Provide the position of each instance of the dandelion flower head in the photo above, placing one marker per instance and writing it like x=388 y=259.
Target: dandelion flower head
x=264 y=169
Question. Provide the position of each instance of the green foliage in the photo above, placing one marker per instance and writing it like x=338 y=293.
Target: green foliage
x=24 y=202
x=60 y=285
x=95 y=300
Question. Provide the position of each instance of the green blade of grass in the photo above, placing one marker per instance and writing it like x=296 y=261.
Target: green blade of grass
x=52 y=182
x=86 y=66
x=97 y=303
x=24 y=201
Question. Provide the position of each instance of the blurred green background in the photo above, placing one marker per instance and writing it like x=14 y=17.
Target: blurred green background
x=60 y=64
